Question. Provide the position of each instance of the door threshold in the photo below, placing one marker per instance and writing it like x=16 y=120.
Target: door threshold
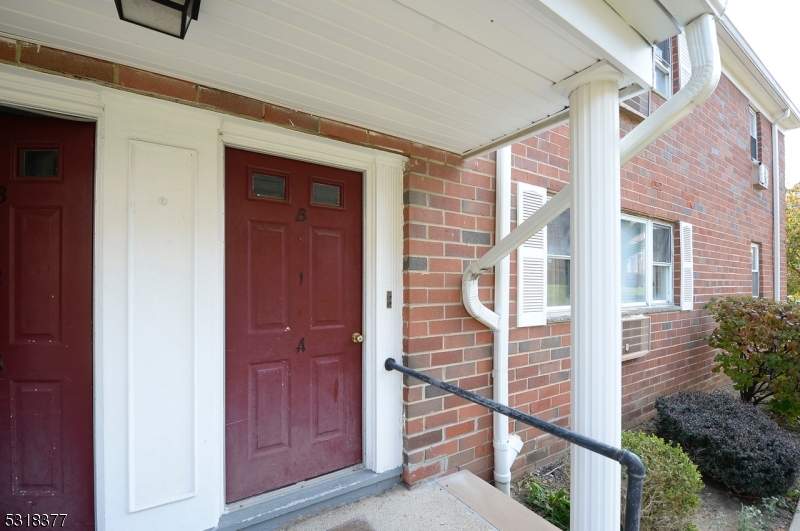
x=272 y=509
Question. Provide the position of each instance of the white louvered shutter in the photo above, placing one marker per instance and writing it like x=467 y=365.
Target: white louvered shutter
x=684 y=63
x=687 y=267
x=531 y=258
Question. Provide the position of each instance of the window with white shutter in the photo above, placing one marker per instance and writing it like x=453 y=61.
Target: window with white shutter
x=687 y=267
x=531 y=257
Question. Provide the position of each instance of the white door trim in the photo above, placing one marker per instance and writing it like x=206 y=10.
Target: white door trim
x=383 y=244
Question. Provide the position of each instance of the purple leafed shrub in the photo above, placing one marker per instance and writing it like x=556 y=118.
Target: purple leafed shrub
x=732 y=442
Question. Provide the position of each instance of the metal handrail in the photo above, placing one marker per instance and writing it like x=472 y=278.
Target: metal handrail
x=636 y=470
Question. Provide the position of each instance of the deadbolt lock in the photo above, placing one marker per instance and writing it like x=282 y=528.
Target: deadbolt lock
x=357 y=338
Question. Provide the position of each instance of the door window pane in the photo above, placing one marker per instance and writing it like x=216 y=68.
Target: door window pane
x=633 y=261
x=558 y=282
x=38 y=163
x=270 y=186
x=327 y=194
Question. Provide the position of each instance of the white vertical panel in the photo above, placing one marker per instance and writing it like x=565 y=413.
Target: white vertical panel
x=159 y=316
x=531 y=258
x=383 y=237
x=687 y=267
x=161 y=325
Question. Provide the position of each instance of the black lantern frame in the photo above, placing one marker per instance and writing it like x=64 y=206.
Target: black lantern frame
x=186 y=12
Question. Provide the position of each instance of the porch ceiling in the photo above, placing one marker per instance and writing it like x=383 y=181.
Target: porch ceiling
x=454 y=74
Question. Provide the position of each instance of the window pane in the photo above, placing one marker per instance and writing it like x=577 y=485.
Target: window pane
x=661 y=283
x=269 y=186
x=662 y=244
x=327 y=194
x=557 y=282
x=633 y=261
x=662 y=83
x=754 y=258
x=755 y=284
x=664 y=52
x=558 y=235
x=38 y=163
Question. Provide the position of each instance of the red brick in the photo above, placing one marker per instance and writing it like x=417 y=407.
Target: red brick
x=227 y=101
x=459 y=429
x=392 y=143
x=427 y=152
x=342 y=131
x=412 y=475
x=157 y=84
x=450 y=447
x=290 y=117
x=440 y=419
x=8 y=50
x=67 y=62
x=422 y=344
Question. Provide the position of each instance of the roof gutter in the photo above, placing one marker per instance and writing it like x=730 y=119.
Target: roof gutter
x=776 y=207
x=701 y=37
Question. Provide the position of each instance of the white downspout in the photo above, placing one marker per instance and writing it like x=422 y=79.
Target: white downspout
x=776 y=207
x=701 y=39
x=506 y=447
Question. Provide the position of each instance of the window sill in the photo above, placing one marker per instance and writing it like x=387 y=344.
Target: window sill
x=565 y=317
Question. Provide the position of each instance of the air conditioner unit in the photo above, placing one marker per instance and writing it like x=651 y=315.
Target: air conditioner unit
x=760 y=175
x=635 y=337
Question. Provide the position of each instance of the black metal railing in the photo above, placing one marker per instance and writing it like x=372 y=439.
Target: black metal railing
x=636 y=470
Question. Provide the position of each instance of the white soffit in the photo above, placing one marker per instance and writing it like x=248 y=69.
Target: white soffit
x=454 y=74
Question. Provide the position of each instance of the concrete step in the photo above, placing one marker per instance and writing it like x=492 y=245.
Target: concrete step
x=499 y=510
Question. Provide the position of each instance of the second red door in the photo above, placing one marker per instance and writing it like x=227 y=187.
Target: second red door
x=293 y=321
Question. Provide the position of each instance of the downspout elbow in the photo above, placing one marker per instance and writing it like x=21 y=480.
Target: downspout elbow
x=473 y=304
x=701 y=39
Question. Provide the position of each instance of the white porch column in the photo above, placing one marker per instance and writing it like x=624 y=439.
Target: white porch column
x=596 y=295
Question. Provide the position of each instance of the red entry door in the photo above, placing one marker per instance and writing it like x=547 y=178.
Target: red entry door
x=292 y=305
x=46 y=190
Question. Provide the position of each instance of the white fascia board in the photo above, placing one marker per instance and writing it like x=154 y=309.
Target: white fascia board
x=651 y=19
x=743 y=67
x=601 y=29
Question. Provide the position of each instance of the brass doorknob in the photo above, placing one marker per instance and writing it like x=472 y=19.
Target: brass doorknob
x=357 y=338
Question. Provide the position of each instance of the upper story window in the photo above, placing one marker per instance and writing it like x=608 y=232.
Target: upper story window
x=662 y=61
x=753 y=134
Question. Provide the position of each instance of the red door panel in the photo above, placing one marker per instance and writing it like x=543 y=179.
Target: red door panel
x=293 y=302
x=46 y=201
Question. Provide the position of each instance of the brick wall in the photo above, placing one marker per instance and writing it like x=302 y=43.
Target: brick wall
x=699 y=172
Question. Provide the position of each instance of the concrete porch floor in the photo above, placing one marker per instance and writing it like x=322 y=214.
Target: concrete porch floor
x=458 y=502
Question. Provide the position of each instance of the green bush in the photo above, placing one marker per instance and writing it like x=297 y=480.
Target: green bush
x=760 y=342
x=671 y=489
x=732 y=442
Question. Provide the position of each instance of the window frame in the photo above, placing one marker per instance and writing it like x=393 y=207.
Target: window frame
x=663 y=65
x=649 y=301
x=649 y=263
x=755 y=269
x=753 y=127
